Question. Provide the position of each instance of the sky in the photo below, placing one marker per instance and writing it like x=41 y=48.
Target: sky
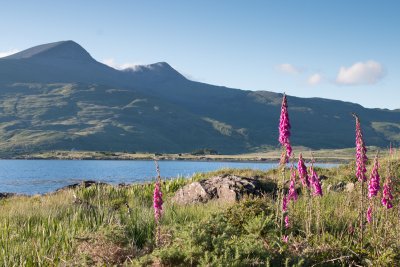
x=346 y=50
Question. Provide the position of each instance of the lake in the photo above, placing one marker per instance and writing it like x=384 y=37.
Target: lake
x=42 y=176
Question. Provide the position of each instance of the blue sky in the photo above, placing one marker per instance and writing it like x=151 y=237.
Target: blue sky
x=347 y=50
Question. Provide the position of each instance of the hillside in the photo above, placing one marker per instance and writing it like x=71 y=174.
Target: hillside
x=56 y=96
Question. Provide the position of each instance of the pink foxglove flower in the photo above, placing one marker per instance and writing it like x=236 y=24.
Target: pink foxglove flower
x=157 y=201
x=361 y=153
x=315 y=182
x=287 y=222
x=284 y=129
x=387 y=195
x=369 y=214
x=374 y=180
x=292 y=194
x=301 y=167
x=284 y=203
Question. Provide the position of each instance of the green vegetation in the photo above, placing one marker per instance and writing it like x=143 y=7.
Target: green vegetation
x=42 y=117
x=344 y=155
x=115 y=226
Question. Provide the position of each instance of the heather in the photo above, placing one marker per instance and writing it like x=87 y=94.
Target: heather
x=116 y=226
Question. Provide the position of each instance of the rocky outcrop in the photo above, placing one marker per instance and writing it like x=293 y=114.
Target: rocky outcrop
x=341 y=186
x=227 y=188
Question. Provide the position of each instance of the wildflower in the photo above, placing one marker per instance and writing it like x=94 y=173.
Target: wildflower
x=285 y=238
x=292 y=194
x=287 y=222
x=303 y=171
x=369 y=214
x=361 y=152
x=373 y=185
x=157 y=201
x=315 y=182
x=284 y=203
x=284 y=129
x=387 y=195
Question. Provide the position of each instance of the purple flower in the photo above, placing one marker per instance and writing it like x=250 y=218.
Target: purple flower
x=287 y=222
x=387 y=195
x=315 y=182
x=285 y=238
x=361 y=152
x=157 y=201
x=284 y=203
x=374 y=180
x=369 y=214
x=301 y=167
x=292 y=194
x=284 y=129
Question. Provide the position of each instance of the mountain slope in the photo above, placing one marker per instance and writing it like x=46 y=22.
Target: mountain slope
x=56 y=96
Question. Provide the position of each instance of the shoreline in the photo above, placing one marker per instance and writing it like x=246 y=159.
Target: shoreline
x=337 y=156
x=233 y=160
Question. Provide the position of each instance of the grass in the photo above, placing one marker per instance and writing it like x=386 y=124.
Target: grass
x=106 y=225
x=344 y=155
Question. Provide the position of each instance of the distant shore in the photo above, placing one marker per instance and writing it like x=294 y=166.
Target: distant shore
x=322 y=156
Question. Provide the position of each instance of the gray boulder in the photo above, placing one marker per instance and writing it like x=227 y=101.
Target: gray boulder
x=226 y=188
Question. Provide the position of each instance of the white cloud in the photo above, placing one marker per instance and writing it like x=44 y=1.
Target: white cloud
x=369 y=72
x=289 y=68
x=9 y=52
x=113 y=64
x=315 y=79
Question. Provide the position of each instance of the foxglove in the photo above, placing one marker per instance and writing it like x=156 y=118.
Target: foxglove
x=284 y=129
x=361 y=153
x=301 y=167
x=374 y=180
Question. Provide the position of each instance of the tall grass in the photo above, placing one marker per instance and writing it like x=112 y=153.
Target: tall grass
x=115 y=225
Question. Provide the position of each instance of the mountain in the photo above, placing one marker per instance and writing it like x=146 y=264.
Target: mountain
x=57 y=96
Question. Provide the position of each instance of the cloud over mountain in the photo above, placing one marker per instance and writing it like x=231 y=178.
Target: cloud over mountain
x=315 y=79
x=8 y=52
x=289 y=68
x=369 y=72
x=113 y=64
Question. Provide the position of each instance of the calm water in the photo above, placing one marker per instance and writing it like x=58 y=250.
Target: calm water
x=41 y=176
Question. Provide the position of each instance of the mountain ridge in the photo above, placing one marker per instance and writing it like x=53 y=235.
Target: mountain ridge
x=56 y=96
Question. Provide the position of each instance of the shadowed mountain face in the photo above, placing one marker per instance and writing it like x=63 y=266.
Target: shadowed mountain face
x=56 y=96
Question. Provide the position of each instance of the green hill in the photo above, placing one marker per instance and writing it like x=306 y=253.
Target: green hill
x=56 y=96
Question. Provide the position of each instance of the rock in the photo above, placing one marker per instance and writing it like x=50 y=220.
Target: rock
x=84 y=184
x=226 y=188
x=350 y=187
x=341 y=186
x=7 y=195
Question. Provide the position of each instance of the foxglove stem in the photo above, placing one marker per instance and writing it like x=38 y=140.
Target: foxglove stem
x=292 y=194
x=157 y=204
x=361 y=161
x=369 y=214
x=284 y=130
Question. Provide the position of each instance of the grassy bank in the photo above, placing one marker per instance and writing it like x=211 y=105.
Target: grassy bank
x=115 y=226
x=344 y=155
